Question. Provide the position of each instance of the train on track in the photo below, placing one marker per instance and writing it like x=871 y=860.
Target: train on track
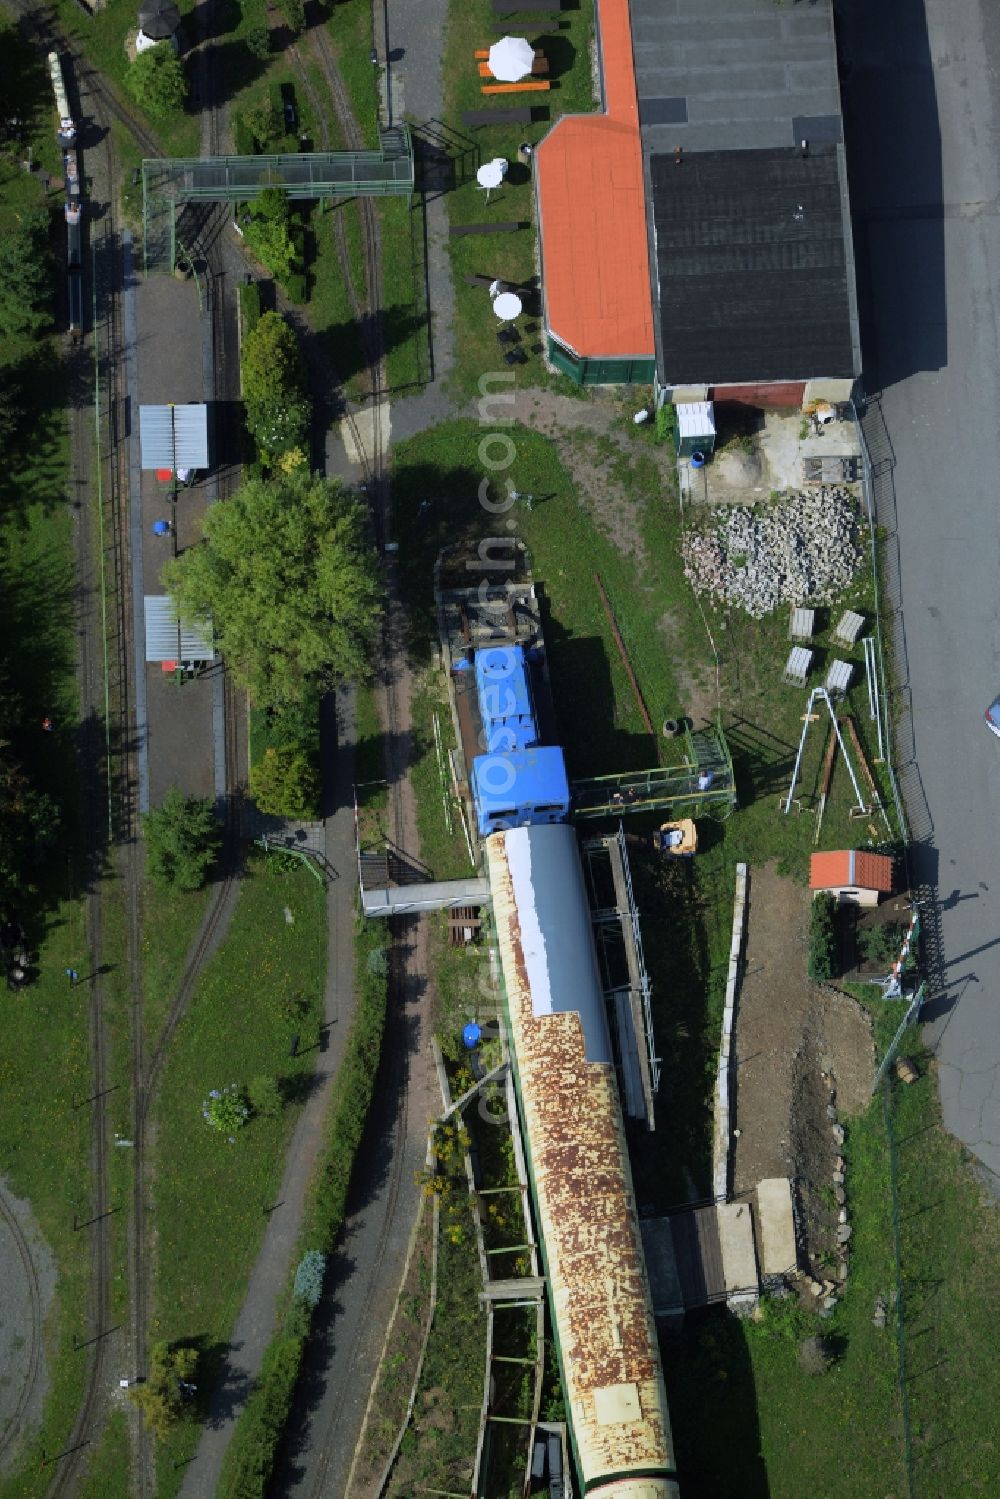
x=73 y=211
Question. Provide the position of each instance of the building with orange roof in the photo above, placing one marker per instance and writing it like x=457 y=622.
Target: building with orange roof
x=592 y=217
x=852 y=875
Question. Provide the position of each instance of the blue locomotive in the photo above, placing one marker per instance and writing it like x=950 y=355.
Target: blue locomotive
x=516 y=782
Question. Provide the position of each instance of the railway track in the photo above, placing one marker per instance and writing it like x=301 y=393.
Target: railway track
x=10 y=1431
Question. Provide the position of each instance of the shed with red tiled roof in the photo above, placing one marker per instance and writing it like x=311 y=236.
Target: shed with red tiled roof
x=852 y=875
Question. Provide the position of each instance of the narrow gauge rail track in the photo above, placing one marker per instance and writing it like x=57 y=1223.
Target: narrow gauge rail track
x=12 y=1427
x=373 y=459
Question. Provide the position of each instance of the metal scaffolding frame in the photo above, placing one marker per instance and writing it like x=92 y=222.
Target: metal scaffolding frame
x=304 y=175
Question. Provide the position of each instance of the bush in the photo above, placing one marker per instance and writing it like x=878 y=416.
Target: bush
x=666 y=423
x=156 y=81
x=308 y=1285
x=822 y=938
x=182 y=841
x=250 y=308
x=258 y=41
x=285 y=783
x=294 y=12
x=226 y=1110
x=882 y=944
x=816 y=1355
x=264 y=1097
x=249 y=1458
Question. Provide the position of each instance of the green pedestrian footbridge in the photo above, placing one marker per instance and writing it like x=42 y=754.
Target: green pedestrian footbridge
x=168 y=182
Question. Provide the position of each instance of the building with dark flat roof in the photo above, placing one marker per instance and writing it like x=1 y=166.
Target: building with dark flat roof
x=746 y=200
x=732 y=108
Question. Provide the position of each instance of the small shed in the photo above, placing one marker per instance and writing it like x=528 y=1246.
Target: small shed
x=852 y=875
x=171 y=639
x=695 y=428
x=174 y=437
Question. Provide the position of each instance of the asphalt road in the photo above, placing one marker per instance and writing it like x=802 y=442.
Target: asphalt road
x=921 y=97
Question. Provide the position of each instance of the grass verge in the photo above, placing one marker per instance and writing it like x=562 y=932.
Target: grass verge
x=249 y=1460
x=509 y=256
x=212 y=1197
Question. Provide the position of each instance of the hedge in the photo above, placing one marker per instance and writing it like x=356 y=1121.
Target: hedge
x=249 y=1461
x=822 y=938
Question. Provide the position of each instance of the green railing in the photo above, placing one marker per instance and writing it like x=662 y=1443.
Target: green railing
x=306 y=175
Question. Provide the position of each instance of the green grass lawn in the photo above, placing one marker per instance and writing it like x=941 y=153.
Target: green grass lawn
x=45 y=1136
x=509 y=256
x=170 y=922
x=211 y=1198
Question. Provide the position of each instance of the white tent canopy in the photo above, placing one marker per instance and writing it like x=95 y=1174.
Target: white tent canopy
x=174 y=437
x=511 y=59
x=171 y=639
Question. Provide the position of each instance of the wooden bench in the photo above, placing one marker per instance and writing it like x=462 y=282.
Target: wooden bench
x=797 y=666
x=476 y=117
x=457 y=230
x=540 y=65
x=514 y=88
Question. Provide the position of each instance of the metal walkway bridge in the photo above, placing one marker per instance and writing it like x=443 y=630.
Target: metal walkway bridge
x=169 y=181
x=702 y=784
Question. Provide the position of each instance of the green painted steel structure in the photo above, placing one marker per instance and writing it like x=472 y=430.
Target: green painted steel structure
x=667 y=788
x=587 y=370
x=306 y=175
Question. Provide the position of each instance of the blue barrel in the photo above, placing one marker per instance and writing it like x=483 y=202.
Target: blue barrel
x=697 y=460
x=471 y=1036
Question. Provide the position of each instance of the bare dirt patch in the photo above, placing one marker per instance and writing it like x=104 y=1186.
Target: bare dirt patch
x=804 y=1058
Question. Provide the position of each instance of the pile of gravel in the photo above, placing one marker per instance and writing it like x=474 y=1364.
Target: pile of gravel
x=804 y=549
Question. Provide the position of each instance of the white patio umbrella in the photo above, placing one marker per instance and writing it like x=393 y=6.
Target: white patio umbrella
x=511 y=58
x=491 y=174
x=507 y=306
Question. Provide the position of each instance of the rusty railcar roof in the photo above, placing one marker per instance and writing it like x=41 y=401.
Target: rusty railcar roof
x=583 y=1186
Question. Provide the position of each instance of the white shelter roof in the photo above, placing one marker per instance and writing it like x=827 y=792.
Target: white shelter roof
x=170 y=639
x=174 y=436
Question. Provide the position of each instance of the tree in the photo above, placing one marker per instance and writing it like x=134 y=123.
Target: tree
x=290 y=581
x=278 y=409
x=285 y=783
x=25 y=274
x=161 y=1396
x=156 y=81
x=258 y=41
x=182 y=841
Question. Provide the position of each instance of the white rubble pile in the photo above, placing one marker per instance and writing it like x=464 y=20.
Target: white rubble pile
x=804 y=549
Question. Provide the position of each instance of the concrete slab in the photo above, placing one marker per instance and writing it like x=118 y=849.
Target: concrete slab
x=181 y=742
x=786 y=438
x=739 y=1258
x=775 y=1226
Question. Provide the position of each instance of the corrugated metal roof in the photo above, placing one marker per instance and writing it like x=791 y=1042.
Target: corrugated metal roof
x=167 y=639
x=580 y=1170
x=174 y=436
